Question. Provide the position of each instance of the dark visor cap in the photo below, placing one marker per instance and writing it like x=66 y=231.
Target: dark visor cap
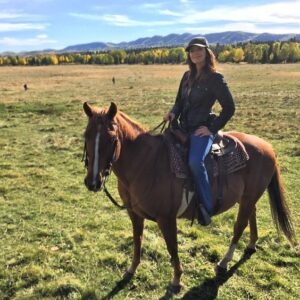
x=198 y=41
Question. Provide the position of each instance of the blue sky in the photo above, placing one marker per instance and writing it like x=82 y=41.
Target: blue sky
x=43 y=24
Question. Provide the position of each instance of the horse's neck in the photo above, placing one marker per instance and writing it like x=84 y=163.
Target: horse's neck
x=138 y=151
x=138 y=157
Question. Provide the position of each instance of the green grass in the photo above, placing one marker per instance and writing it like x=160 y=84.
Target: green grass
x=58 y=241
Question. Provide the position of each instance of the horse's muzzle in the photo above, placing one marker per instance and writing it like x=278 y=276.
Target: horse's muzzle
x=93 y=186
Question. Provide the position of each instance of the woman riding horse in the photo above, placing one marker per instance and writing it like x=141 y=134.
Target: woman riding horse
x=199 y=88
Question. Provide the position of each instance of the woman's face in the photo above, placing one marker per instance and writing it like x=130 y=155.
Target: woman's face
x=197 y=55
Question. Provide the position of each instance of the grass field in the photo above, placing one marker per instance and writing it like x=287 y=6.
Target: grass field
x=59 y=241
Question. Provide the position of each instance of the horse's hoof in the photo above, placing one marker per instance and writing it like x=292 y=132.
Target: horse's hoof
x=174 y=289
x=220 y=271
x=249 y=251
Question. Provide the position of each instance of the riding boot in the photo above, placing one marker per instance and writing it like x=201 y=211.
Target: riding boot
x=203 y=216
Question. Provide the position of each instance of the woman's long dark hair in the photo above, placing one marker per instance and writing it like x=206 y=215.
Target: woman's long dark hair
x=210 y=67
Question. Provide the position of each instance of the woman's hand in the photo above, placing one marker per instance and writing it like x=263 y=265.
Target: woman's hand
x=202 y=131
x=169 y=116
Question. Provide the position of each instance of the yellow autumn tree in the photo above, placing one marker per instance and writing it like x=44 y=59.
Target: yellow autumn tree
x=238 y=55
x=22 y=61
x=224 y=56
x=53 y=60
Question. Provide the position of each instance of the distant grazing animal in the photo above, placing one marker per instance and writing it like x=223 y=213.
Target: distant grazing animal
x=113 y=80
x=150 y=191
x=25 y=87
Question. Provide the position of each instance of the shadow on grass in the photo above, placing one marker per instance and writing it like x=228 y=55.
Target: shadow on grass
x=120 y=285
x=208 y=290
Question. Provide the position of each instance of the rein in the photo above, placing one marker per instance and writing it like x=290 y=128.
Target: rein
x=161 y=125
x=108 y=194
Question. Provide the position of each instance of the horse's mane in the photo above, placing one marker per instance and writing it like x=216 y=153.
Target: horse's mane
x=132 y=129
x=128 y=128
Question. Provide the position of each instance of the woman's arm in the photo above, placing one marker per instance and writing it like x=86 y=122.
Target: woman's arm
x=224 y=97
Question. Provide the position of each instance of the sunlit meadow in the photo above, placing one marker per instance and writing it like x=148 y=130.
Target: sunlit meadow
x=59 y=241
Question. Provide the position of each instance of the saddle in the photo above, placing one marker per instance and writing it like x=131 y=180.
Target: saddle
x=227 y=155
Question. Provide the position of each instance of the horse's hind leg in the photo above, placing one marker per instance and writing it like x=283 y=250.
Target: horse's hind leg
x=253 y=234
x=138 y=228
x=168 y=228
x=245 y=210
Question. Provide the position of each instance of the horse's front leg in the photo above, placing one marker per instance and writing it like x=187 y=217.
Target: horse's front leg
x=138 y=228
x=168 y=228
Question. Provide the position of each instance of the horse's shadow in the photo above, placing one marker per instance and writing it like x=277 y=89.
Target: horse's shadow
x=120 y=285
x=208 y=290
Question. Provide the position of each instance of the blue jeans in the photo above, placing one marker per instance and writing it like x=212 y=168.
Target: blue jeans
x=199 y=148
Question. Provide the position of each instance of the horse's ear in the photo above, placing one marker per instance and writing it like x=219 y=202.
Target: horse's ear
x=112 y=111
x=87 y=109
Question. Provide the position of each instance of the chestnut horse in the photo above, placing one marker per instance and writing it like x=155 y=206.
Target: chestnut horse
x=150 y=191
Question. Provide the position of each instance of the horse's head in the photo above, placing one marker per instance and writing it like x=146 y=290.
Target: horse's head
x=101 y=145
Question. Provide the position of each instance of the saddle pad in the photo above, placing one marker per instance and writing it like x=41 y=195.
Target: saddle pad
x=178 y=157
x=230 y=162
x=235 y=159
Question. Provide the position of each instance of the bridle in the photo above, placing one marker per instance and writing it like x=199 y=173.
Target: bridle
x=85 y=158
x=107 y=170
x=113 y=157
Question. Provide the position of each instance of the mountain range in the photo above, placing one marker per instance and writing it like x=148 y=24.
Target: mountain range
x=172 y=40
x=229 y=37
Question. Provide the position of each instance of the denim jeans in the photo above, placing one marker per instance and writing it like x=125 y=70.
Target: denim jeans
x=199 y=148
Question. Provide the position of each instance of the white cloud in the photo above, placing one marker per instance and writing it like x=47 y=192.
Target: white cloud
x=42 y=36
x=18 y=15
x=243 y=26
x=153 y=5
x=121 y=20
x=4 y=27
x=36 y=41
x=10 y=15
x=274 y=17
x=87 y=16
x=168 y=12
x=124 y=21
x=280 y=12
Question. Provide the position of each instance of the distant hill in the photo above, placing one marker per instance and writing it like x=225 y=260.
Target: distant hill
x=85 y=47
x=170 y=40
x=229 y=37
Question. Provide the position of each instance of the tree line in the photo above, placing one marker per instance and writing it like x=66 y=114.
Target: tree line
x=273 y=52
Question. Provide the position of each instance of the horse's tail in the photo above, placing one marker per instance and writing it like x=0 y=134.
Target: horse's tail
x=279 y=208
